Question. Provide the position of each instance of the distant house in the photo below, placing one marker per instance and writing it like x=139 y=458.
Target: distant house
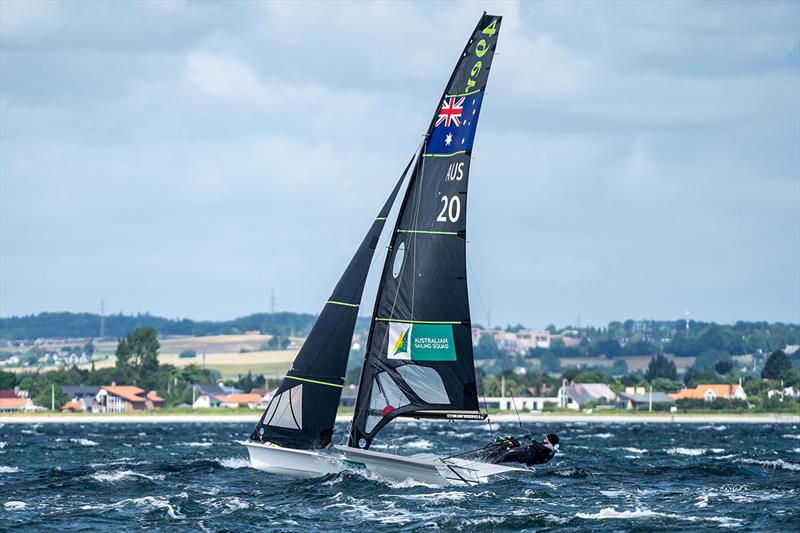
x=218 y=395
x=206 y=394
x=125 y=399
x=635 y=397
x=787 y=392
x=710 y=392
x=15 y=400
x=578 y=395
x=240 y=400
x=521 y=403
x=81 y=398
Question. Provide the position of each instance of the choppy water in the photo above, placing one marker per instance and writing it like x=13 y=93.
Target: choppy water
x=607 y=477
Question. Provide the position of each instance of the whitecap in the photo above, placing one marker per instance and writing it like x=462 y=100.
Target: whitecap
x=158 y=503
x=407 y=484
x=8 y=469
x=613 y=493
x=776 y=464
x=634 y=450
x=791 y=436
x=421 y=444
x=602 y=435
x=15 y=505
x=716 y=450
x=119 y=475
x=796 y=450
x=2 y=444
x=198 y=444
x=28 y=432
x=233 y=462
x=84 y=442
x=452 y=496
x=610 y=512
x=686 y=451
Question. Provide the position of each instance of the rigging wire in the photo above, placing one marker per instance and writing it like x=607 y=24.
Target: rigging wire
x=499 y=353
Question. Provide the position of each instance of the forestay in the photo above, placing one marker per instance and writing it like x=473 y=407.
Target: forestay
x=302 y=411
x=419 y=358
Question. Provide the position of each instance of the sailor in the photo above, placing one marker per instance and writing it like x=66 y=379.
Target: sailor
x=535 y=453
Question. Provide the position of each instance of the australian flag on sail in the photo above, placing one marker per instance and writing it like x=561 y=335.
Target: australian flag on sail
x=454 y=129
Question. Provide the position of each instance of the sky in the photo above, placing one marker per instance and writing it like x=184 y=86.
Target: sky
x=634 y=159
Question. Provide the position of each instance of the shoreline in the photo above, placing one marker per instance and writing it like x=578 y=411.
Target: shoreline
x=766 y=418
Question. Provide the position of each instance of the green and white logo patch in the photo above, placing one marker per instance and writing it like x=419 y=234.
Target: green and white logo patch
x=421 y=342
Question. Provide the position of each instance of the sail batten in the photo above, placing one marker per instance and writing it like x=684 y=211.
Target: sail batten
x=419 y=359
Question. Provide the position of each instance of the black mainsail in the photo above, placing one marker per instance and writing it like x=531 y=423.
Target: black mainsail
x=419 y=358
x=302 y=411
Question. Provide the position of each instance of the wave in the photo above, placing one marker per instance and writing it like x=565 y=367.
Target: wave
x=694 y=452
x=778 y=464
x=8 y=469
x=158 y=502
x=610 y=513
x=233 y=462
x=433 y=497
x=15 y=505
x=119 y=475
x=84 y=442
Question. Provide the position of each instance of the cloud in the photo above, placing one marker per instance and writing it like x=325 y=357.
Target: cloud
x=184 y=158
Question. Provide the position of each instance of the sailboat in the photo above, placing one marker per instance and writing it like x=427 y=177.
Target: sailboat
x=418 y=359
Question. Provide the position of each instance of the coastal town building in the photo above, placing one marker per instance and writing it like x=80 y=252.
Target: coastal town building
x=126 y=399
x=81 y=398
x=638 y=397
x=218 y=395
x=15 y=400
x=711 y=392
x=521 y=403
x=579 y=395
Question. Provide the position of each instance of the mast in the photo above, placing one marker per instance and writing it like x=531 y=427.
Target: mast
x=418 y=360
x=302 y=411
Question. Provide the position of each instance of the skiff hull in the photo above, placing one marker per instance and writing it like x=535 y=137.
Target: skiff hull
x=419 y=468
x=425 y=467
x=293 y=463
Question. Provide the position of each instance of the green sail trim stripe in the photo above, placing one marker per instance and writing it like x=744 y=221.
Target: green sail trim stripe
x=445 y=155
x=315 y=381
x=444 y=322
x=380 y=218
x=341 y=303
x=476 y=91
x=427 y=232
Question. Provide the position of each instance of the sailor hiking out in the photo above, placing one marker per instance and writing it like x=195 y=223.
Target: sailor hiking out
x=508 y=449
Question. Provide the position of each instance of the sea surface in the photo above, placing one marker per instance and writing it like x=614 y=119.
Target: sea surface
x=607 y=477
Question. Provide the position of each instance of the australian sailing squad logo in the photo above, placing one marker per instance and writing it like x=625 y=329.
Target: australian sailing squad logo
x=421 y=342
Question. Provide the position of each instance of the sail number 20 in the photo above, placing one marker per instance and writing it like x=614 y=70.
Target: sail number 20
x=451 y=209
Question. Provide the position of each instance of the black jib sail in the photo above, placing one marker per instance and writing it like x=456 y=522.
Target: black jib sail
x=302 y=411
x=419 y=353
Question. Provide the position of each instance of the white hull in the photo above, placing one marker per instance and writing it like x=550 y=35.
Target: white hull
x=421 y=468
x=425 y=467
x=291 y=462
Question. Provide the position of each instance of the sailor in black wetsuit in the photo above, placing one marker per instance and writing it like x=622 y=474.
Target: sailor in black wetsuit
x=533 y=454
